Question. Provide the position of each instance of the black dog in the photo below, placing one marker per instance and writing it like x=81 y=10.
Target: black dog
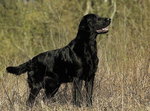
x=73 y=63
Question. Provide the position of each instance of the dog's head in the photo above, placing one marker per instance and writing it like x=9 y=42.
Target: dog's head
x=94 y=24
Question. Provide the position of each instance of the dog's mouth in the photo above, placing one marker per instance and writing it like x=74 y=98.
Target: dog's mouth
x=103 y=30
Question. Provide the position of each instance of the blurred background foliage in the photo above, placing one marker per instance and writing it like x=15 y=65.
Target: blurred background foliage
x=28 y=27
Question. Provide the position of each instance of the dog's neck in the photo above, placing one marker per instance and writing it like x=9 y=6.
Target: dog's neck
x=83 y=42
x=86 y=36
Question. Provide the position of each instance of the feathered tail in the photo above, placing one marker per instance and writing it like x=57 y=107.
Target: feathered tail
x=18 y=70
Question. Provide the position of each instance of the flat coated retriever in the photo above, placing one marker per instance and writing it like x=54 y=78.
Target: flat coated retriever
x=75 y=62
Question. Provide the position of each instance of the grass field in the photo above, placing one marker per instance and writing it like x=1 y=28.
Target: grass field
x=123 y=77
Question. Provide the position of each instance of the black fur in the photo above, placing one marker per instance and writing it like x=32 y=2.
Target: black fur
x=73 y=63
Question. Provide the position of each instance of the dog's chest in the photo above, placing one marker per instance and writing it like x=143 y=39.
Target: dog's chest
x=90 y=59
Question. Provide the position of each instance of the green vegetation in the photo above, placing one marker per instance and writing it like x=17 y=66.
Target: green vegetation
x=123 y=78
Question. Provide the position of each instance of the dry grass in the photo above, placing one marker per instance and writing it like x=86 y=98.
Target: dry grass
x=123 y=78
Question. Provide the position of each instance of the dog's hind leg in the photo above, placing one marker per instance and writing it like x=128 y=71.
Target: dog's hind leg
x=33 y=93
x=35 y=86
x=51 y=86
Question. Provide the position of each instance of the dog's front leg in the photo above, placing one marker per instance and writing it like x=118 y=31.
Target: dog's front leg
x=89 y=90
x=77 y=91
